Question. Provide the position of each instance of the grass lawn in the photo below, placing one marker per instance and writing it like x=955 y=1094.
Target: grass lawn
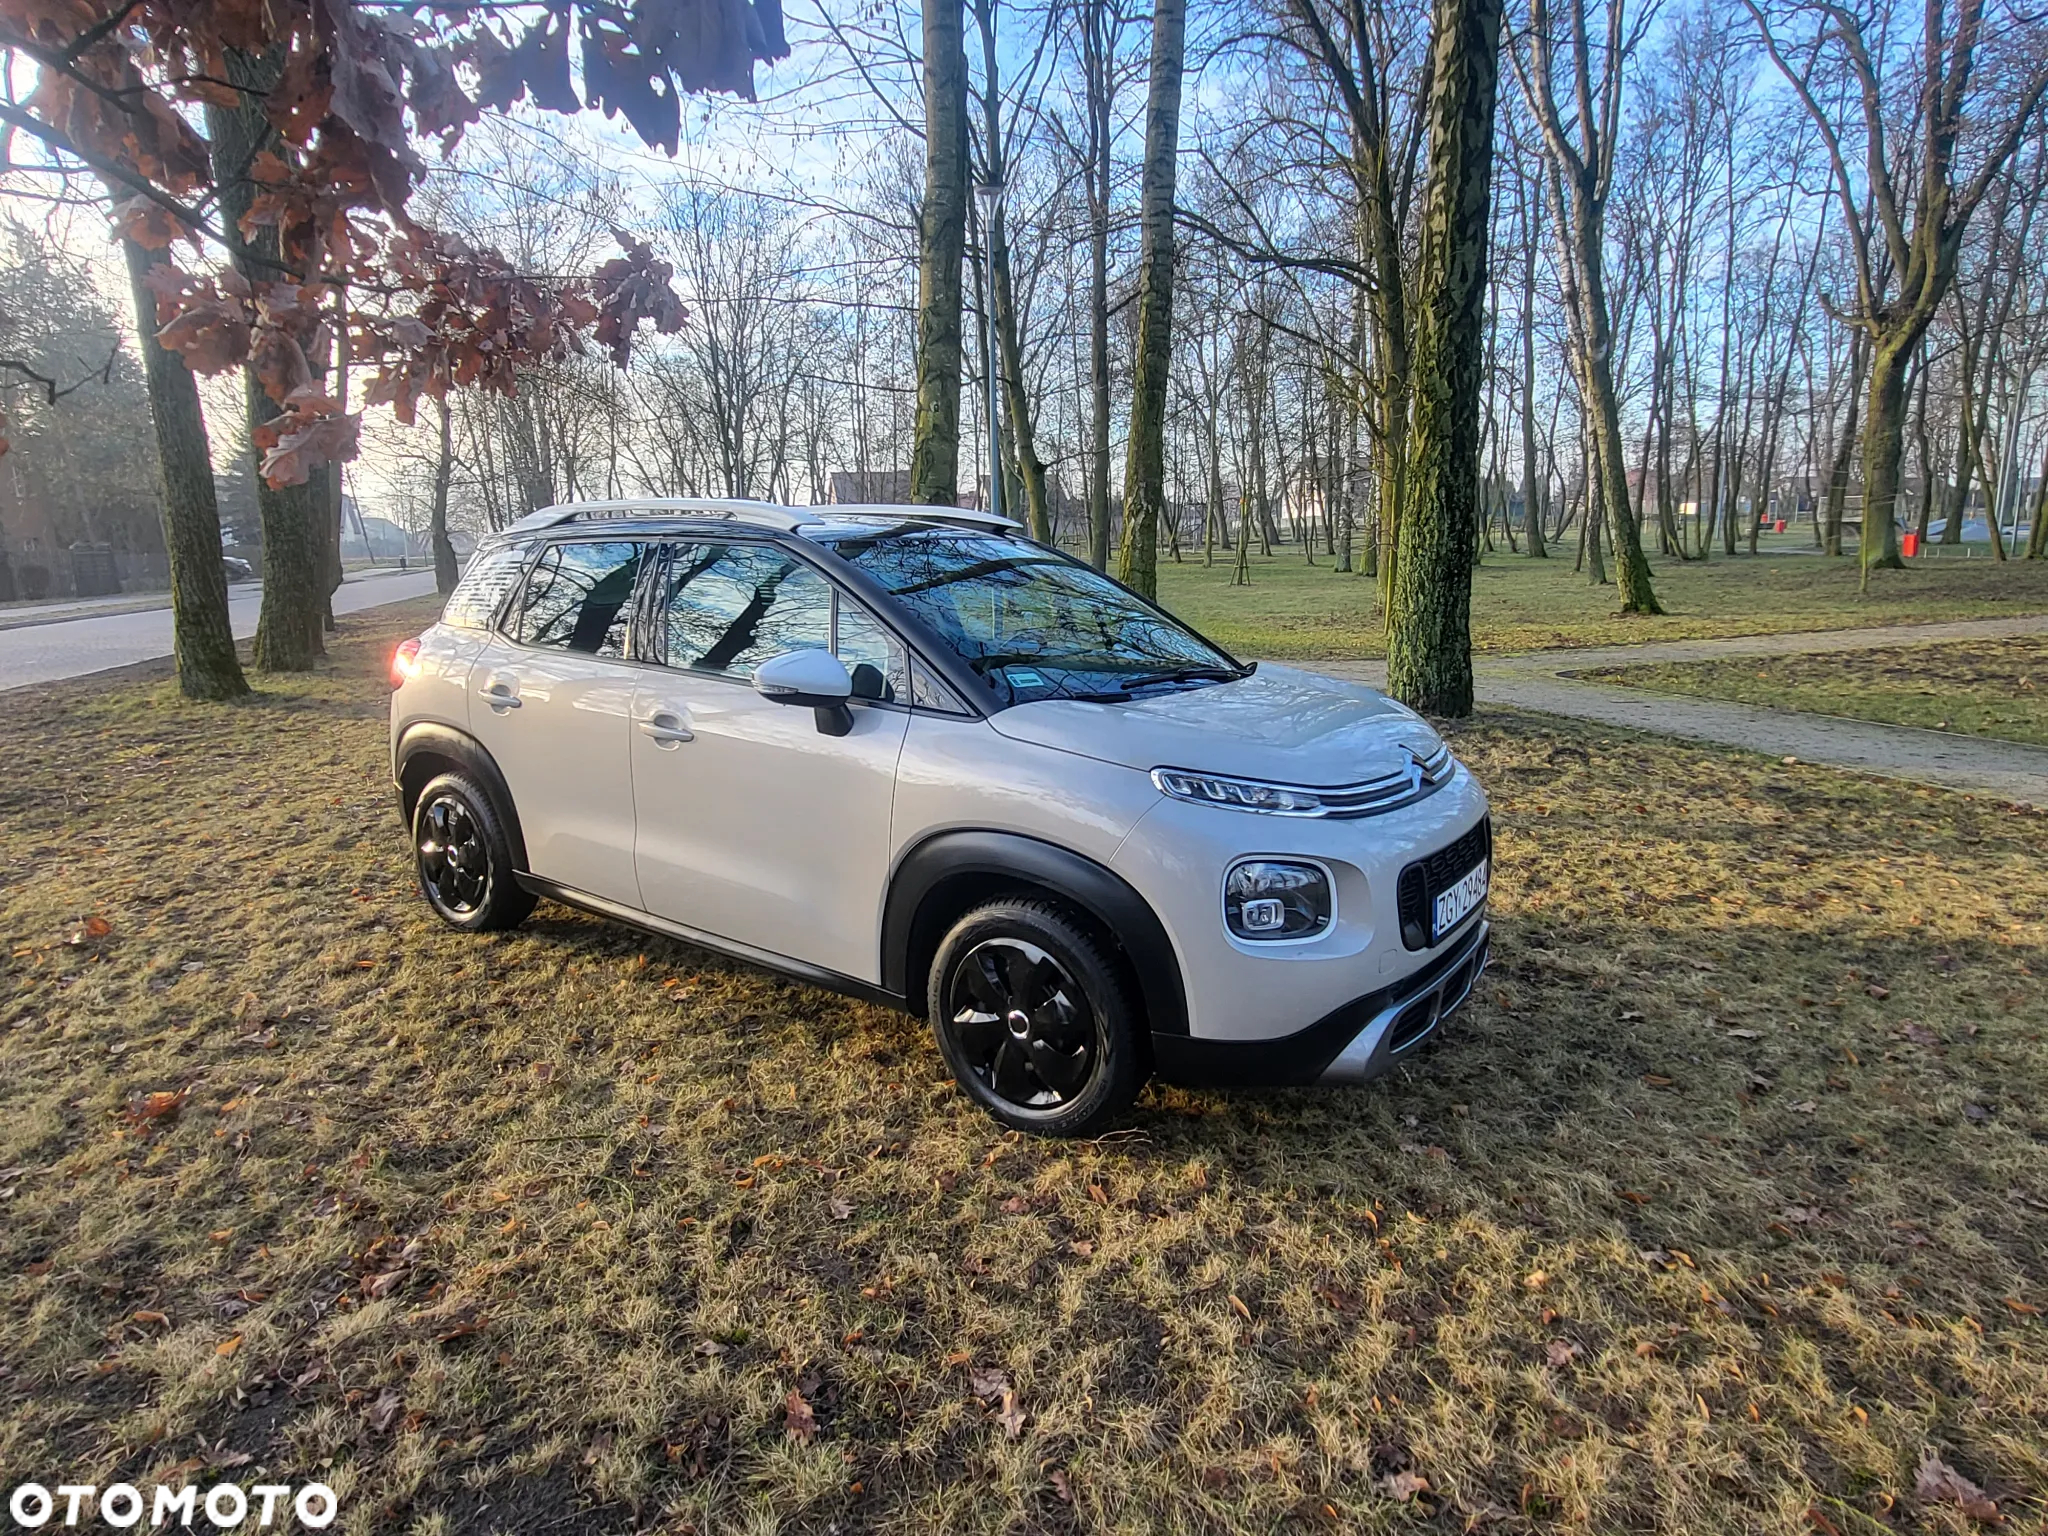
x=1293 y=611
x=1722 y=1207
x=1978 y=688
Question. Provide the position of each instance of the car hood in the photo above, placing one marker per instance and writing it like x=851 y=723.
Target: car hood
x=1279 y=724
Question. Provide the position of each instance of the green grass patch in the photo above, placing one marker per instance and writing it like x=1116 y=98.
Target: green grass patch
x=1976 y=688
x=1294 y=611
x=1721 y=1204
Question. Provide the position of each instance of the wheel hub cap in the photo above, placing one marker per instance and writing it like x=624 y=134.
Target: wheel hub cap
x=1022 y=1024
x=454 y=863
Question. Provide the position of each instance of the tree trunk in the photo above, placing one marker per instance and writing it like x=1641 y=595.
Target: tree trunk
x=1429 y=641
x=1532 y=513
x=1884 y=438
x=1845 y=447
x=1145 y=464
x=2037 y=540
x=446 y=569
x=942 y=241
x=201 y=638
x=294 y=592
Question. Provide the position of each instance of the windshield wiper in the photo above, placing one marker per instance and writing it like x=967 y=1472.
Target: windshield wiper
x=1185 y=675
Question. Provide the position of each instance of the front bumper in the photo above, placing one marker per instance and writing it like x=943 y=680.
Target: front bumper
x=1351 y=1044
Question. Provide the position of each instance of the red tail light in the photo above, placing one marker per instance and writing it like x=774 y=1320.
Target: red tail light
x=405 y=662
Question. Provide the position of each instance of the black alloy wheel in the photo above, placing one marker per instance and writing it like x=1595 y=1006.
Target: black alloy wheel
x=463 y=857
x=1033 y=1014
x=455 y=866
x=1023 y=1025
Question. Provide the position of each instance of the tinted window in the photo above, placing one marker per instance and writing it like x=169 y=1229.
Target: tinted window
x=1031 y=622
x=727 y=608
x=579 y=598
x=491 y=574
x=880 y=667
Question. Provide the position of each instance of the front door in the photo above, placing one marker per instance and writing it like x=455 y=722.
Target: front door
x=551 y=698
x=754 y=825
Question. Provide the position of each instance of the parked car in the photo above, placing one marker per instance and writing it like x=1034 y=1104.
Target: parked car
x=237 y=569
x=1977 y=531
x=908 y=753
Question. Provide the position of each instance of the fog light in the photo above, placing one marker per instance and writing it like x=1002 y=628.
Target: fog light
x=1272 y=899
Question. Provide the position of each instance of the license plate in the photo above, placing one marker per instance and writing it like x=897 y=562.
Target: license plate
x=1456 y=903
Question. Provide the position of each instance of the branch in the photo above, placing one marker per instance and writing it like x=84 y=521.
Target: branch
x=51 y=392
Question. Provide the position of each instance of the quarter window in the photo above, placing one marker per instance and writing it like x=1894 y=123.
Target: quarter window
x=879 y=666
x=491 y=574
x=579 y=598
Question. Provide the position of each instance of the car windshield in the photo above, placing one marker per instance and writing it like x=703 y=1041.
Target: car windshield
x=1032 y=623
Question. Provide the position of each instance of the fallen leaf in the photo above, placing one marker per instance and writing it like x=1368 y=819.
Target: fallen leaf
x=1920 y=1034
x=1012 y=1418
x=840 y=1207
x=2025 y=1309
x=1560 y=1353
x=146 y=1317
x=377 y=1287
x=1939 y=1483
x=385 y=1411
x=1880 y=993
x=599 y=1449
x=798 y=1420
x=1016 y=1205
x=1238 y=1306
x=987 y=1381
x=1404 y=1486
x=1536 y=1279
x=710 y=1349
x=1655 y=1081
x=1061 y=1488
x=228 y=1345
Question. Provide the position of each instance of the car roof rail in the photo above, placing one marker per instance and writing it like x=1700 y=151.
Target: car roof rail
x=765 y=514
x=964 y=517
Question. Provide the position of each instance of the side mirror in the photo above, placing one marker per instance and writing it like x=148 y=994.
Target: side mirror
x=809 y=677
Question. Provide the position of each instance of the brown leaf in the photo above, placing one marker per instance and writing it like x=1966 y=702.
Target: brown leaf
x=1560 y=1353
x=1404 y=1486
x=1238 y=1306
x=1061 y=1488
x=385 y=1411
x=1012 y=1418
x=152 y=1317
x=987 y=1381
x=798 y=1420
x=840 y=1207
x=228 y=1345
x=161 y=1105
x=1937 y=1482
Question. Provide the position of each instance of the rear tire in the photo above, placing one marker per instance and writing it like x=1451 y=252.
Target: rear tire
x=462 y=856
x=1035 y=1018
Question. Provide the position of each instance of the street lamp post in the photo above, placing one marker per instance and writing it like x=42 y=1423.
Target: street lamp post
x=989 y=194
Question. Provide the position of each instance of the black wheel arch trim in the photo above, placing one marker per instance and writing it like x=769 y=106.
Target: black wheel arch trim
x=431 y=738
x=989 y=858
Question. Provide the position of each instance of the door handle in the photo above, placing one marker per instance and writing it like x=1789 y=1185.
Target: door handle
x=499 y=696
x=666 y=728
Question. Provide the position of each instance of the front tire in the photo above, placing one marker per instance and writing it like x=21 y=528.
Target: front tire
x=1035 y=1019
x=462 y=856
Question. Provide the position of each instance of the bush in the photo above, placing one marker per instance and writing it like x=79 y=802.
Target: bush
x=35 y=582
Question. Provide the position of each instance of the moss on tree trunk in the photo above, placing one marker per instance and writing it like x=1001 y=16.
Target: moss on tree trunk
x=202 y=641
x=1429 y=643
x=935 y=450
x=1145 y=466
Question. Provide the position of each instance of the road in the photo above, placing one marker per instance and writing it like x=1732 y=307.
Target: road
x=43 y=653
x=1546 y=681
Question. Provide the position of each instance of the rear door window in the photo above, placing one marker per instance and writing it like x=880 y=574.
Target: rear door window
x=579 y=597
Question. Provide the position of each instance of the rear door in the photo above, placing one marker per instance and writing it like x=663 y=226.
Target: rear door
x=754 y=825
x=551 y=695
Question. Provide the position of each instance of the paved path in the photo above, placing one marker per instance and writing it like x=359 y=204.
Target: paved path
x=1543 y=681
x=42 y=653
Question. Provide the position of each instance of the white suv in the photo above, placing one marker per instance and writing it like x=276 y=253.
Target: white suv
x=907 y=753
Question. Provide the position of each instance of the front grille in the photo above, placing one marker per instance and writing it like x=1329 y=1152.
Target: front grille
x=1421 y=881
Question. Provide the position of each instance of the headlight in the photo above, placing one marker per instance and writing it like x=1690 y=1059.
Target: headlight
x=1425 y=772
x=1274 y=899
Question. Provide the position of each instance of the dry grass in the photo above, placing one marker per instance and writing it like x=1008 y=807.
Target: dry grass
x=1977 y=688
x=1292 y=611
x=1723 y=1204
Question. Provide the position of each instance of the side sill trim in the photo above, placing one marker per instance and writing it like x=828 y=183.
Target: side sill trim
x=632 y=917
